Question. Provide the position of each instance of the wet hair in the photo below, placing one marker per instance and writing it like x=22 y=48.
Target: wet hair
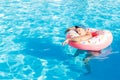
x=77 y=27
x=80 y=26
x=70 y=29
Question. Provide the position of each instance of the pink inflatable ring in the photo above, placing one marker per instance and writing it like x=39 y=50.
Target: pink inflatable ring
x=100 y=40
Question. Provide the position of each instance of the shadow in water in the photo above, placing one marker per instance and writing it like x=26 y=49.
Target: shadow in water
x=43 y=48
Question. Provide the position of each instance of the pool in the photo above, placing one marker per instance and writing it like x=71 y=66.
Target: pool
x=32 y=31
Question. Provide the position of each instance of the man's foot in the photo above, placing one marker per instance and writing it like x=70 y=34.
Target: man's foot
x=86 y=60
x=87 y=73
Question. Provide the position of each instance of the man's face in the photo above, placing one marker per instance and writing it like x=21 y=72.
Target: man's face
x=81 y=31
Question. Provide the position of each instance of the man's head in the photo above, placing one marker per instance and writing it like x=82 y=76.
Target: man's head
x=80 y=30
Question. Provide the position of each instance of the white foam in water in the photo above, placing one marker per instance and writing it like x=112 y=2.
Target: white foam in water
x=3 y=58
x=43 y=76
x=44 y=62
x=8 y=41
x=56 y=0
x=2 y=15
x=44 y=70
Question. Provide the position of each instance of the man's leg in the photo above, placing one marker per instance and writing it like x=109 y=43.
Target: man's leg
x=78 y=51
x=86 y=62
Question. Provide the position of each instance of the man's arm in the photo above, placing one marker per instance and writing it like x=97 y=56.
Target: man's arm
x=81 y=38
x=78 y=39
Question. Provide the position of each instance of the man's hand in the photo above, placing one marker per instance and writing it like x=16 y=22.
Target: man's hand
x=65 y=42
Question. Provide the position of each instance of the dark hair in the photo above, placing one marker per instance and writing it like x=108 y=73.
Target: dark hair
x=70 y=29
x=77 y=27
x=81 y=26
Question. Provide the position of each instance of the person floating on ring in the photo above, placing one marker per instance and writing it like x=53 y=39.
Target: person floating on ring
x=90 y=40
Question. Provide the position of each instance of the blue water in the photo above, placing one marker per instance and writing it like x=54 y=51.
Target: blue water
x=31 y=33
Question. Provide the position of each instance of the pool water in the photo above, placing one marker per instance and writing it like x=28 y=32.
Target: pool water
x=32 y=31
